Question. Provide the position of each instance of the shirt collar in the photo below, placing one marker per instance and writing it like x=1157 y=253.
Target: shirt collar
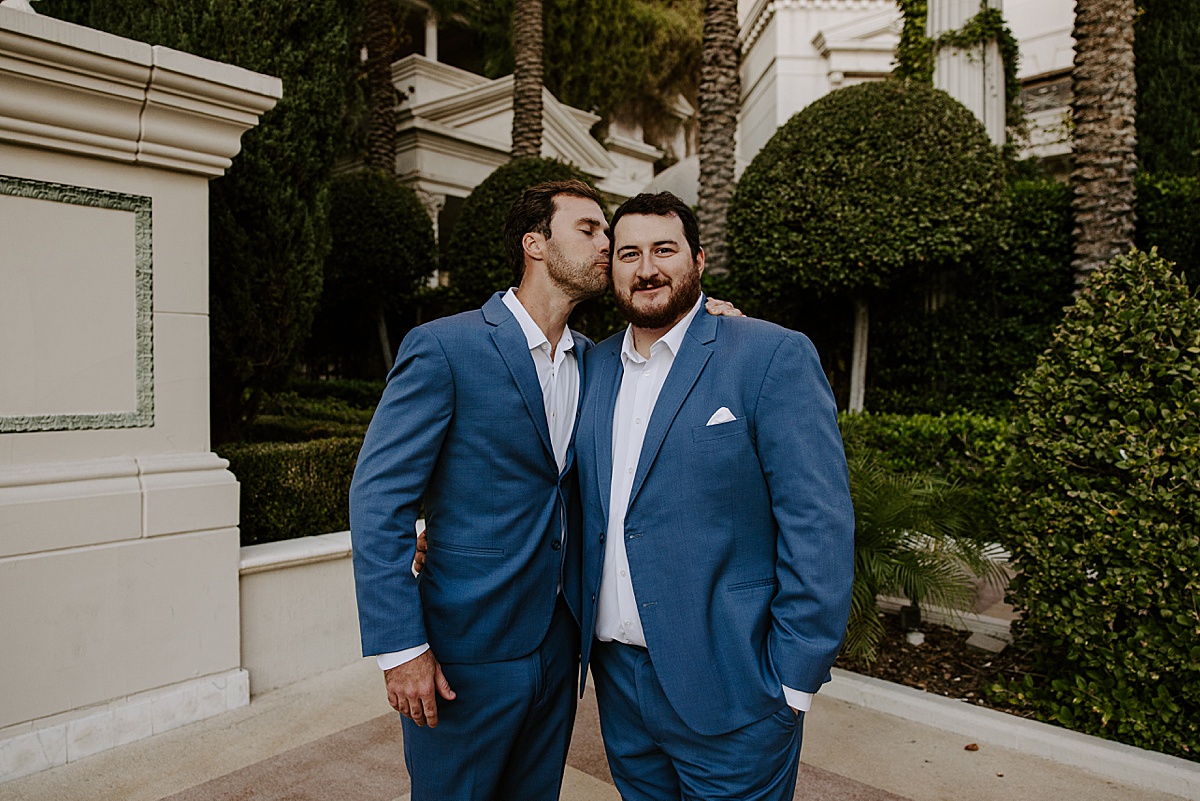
x=671 y=340
x=533 y=334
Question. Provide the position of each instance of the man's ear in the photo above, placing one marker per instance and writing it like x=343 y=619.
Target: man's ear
x=700 y=261
x=534 y=245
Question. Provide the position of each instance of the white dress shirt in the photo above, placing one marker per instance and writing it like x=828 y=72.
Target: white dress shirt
x=558 y=377
x=617 y=617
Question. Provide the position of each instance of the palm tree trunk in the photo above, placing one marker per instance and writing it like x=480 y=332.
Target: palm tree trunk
x=720 y=101
x=1105 y=140
x=527 y=79
x=858 y=358
x=380 y=37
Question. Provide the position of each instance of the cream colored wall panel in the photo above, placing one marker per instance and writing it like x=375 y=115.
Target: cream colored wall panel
x=180 y=245
x=84 y=626
x=188 y=493
x=180 y=406
x=68 y=315
x=299 y=614
x=48 y=517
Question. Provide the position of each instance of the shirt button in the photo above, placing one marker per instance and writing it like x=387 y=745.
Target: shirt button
x=630 y=471
x=638 y=421
x=623 y=573
x=628 y=624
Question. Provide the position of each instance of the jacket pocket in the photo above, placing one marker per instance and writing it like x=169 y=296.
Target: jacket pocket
x=754 y=585
x=473 y=550
x=719 y=431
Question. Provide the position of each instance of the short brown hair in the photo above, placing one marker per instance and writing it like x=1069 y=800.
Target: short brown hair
x=532 y=213
x=663 y=204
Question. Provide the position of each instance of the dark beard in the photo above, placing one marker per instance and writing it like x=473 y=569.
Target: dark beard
x=683 y=297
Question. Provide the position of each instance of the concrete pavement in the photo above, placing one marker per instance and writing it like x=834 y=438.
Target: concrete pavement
x=333 y=737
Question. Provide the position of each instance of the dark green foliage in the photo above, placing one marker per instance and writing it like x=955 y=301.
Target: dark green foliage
x=293 y=489
x=916 y=536
x=476 y=258
x=1167 y=47
x=993 y=315
x=868 y=183
x=1169 y=219
x=914 y=54
x=648 y=52
x=356 y=393
x=964 y=448
x=1103 y=512
x=267 y=233
x=383 y=248
x=294 y=417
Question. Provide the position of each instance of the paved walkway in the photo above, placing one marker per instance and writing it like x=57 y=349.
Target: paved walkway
x=332 y=738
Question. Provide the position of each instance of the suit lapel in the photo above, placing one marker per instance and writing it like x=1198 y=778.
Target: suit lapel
x=581 y=349
x=694 y=353
x=607 y=385
x=514 y=349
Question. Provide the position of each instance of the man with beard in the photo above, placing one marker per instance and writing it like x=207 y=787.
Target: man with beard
x=717 y=545
x=476 y=426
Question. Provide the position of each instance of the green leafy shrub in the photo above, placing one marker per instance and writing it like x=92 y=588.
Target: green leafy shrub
x=383 y=250
x=994 y=314
x=293 y=489
x=1103 y=512
x=476 y=258
x=1168 y=210
x=1166 y=47
x=357 y=393
x=914 y=536
x=962 y=448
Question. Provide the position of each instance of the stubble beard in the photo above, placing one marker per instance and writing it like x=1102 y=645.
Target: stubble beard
x=579 y=280
x=683 y=295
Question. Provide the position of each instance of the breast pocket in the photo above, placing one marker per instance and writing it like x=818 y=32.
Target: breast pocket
x=734 y=428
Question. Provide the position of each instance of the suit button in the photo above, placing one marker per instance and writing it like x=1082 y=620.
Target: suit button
x=602 y=538
x=555 y=545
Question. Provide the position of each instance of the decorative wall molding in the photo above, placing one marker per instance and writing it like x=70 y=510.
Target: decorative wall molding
x=764 y=11
x=70 y=88
x=142 y=415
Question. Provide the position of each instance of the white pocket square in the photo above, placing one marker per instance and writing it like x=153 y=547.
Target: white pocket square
x=722 y=415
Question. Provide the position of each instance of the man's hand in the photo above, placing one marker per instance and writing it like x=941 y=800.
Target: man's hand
x=722 y=308
x=422 y=549
x=413 y=689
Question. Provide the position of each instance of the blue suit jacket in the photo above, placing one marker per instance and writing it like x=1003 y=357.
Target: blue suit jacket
x=739 y=535
x=461 y=429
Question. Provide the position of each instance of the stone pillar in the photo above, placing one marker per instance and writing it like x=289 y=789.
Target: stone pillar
x=118 y=525
x=431 y=36
x=973 y=77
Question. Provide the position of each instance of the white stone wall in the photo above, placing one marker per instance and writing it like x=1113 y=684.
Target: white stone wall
x=118 y=540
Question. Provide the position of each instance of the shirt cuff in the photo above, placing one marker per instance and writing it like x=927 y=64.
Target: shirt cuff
x=797 y=699
x=397 y=658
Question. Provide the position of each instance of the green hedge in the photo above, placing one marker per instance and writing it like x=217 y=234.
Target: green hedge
x=293 y=489
x=996 y=315
x=1102 y=510
x=964 y=448
x=1168 y=210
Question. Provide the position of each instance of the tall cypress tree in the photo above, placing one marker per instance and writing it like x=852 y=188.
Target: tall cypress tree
x=1167 y=46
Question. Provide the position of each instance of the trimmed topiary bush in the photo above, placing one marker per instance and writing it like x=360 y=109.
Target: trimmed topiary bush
x=862 y=185
x=293 y=489
x=476 y=258
x=868 y=184
x=1103 y=512
x=383 y=250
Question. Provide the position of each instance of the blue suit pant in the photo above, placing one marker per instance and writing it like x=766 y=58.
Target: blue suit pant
x=655 y=756
x=505 y=735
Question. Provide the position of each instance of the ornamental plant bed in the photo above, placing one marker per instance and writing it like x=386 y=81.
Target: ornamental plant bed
x=943 y=664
